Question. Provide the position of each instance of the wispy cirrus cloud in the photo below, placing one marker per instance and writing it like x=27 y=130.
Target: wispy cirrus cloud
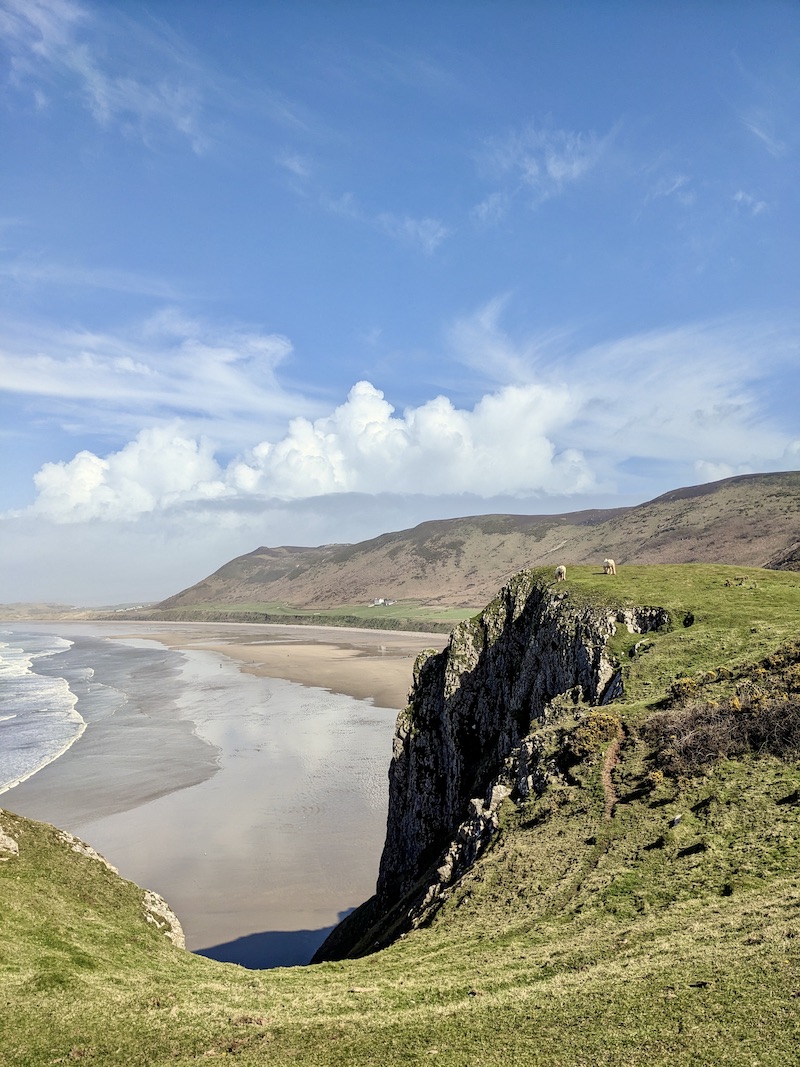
x=480 y=341
x=750 y=203
x=425 y=233
x=297 y=165
x=60 y=44
x=673 y=186
x=537 y=163
x=25 y=271
x=761 y=123
x=693 y=395
x=406 y=67
x=216 y=380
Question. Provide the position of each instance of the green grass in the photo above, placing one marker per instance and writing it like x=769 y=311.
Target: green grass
x=576 y=940
x=729 y=624
x=406 y=609
x=404 y=615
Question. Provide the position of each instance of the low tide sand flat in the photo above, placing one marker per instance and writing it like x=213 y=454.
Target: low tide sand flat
x=365 y=664
x=254 y=804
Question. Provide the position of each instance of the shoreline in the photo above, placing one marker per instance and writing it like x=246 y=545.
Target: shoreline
x=50 y=759
x=73 y=715
x=245 y=780
x=365 y=664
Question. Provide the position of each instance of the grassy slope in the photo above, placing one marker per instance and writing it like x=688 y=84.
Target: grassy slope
x=576 y=939
x=462 y=562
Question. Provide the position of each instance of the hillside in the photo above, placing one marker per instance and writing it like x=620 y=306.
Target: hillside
x=750 y=521
x=639 y=905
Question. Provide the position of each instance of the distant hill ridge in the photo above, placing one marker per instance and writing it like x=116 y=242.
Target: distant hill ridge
x=750 y=521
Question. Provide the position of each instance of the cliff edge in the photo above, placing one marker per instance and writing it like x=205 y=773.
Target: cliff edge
x=486 y=720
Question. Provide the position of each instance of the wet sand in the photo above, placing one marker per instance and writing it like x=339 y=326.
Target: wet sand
x=365 y=664
x=245 y=780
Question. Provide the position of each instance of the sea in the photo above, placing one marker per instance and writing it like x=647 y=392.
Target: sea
x=49 y=692
x=255 y=806
x=39 y=719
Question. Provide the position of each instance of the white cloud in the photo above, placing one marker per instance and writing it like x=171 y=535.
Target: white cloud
x=479 y=341
x=221 y=381
x=158 y=469
x=714 y=472
x=676 y=396
x=674 y=186
x=492 y=209
x=688 y=398
x=540 y=162
x=500 y=446
x=426 y=233
x=685 y=395
x=58 y=42
x=750 y=203
x=759 y=121
x=297 y=165
x=25 y=271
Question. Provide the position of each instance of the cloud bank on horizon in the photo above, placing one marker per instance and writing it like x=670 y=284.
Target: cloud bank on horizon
x=271 y=276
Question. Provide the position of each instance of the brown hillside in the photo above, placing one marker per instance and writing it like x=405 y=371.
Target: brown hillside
x=752 y=521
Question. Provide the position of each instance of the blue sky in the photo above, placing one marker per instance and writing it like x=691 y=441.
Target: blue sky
x=300 y=273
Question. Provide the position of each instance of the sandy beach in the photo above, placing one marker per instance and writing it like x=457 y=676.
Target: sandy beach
x=365 y=664
x=243 y=776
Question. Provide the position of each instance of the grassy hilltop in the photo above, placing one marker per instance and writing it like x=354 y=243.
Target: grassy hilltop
x=438 y=567
x=645 y=911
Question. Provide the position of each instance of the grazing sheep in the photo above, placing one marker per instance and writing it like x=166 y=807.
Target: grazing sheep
x=561 y=573
x=609 y=566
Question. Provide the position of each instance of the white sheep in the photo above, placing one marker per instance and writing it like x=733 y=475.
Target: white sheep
x=609 y=566
x=561 y=573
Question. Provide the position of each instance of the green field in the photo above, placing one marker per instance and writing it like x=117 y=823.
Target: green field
x=404 y=615
x=668 y=933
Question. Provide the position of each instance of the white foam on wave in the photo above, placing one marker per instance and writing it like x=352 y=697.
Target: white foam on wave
x=39 y=720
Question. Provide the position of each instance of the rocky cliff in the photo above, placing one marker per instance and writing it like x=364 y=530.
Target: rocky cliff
x=487 y=719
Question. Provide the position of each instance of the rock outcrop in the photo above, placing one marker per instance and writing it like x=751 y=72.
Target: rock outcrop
x=160 y=914
x=479 y=728
x=8 y=846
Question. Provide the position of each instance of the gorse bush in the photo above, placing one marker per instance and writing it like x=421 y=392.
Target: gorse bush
x=688 y=739
x=592 y=733
x=706 y=721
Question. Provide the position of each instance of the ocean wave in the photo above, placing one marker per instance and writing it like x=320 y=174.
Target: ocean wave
x=39 y=719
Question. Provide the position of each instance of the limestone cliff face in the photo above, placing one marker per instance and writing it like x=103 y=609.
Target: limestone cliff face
x=475 y=732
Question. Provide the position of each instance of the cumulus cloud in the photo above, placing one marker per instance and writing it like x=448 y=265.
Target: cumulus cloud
x=714 y=472
x=499 y=446
x=688 y=399
x=158 y=469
